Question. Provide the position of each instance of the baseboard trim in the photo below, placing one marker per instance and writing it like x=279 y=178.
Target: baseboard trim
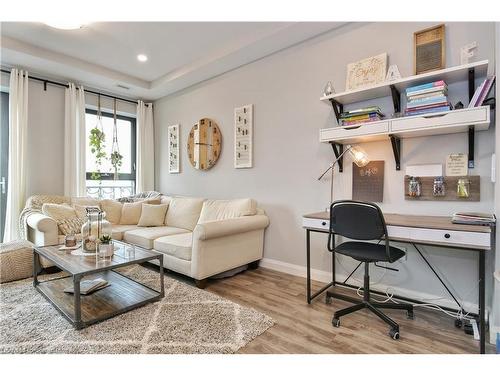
x=325 y=277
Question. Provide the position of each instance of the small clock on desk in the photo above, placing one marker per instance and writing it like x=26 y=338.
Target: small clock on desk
x=204 y=144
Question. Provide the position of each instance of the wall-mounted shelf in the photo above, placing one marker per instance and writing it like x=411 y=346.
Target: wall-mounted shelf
x=458 y=121
x=449 y=75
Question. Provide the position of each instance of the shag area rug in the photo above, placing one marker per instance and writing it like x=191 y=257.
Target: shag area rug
x=187 y=320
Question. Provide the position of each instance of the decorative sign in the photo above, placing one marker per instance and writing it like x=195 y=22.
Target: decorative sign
x=393 y=73
x=173 y=149
x=429 y=49
x=243 y=128
x=368 y=182
x=456 y=165
x=366 y=72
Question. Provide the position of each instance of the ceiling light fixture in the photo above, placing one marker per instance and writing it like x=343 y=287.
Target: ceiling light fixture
x=65 y=24
x=142 y=58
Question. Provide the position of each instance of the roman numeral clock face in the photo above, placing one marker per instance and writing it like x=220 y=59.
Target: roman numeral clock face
x=204 y=144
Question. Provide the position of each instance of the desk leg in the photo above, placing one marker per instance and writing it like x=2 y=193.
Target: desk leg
x=308 y=266
x=482 y=274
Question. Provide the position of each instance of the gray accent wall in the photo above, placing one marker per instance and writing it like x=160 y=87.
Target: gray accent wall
x=285 y=89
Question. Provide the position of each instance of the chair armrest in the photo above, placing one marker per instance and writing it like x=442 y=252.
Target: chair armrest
x=221 y=228
x=41 y=223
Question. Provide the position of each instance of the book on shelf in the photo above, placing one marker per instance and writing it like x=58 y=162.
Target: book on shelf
x=360 y=117
x=361 y=111
x=356 y=122
x=427 y=95
x=428 y=110
x=437 y=89
x=473 y=218
x=428 y=106
x=89 y=286
x=482 y=92
x=425 y=86
x=427 y=101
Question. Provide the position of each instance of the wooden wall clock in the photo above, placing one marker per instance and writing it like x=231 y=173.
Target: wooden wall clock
x=204 y=144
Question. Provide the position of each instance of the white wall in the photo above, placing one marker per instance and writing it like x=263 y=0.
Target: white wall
x=288 y=158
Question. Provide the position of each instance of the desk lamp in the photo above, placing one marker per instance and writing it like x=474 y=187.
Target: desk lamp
x=359 y=157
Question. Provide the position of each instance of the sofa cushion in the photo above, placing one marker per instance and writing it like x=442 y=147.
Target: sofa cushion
x=131 y=213
x=113 y=210
x=214 y=210
x=65 y=216
x=165 y=199
x=184 y=212
x=153 y=215
x=145 y=237
x=85 y=201
x=178 y=245
x=118 y=230
x=81 y=211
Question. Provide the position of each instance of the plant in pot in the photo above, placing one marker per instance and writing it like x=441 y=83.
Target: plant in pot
x=106 y=247
x=96 y=143
x=116 y=162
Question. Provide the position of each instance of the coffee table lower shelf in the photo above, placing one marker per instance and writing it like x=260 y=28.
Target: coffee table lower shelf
x=122 y=295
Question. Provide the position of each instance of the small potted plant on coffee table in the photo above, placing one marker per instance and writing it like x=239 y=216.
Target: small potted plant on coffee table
x=106 y=247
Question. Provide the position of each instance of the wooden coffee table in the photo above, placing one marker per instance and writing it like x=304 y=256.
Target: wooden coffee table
x=122 y=295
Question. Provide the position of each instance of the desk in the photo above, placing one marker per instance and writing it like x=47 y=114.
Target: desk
x=427 y=230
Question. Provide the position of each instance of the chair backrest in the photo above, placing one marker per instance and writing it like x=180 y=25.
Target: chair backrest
x=357 y=220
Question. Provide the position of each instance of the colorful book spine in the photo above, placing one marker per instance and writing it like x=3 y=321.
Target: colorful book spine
x=426 y=111
x=425 y=86
x=441 y=89
x=428 y=95
x=359 y=117
x=485 y=91
x=427 y=107
x=427 y=101
x=357 y=122
x=367 y=109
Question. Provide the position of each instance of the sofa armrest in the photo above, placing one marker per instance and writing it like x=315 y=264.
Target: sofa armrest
x=41 y=222
x=222 y=228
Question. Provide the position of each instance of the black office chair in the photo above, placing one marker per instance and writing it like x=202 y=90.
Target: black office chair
x=363 y=221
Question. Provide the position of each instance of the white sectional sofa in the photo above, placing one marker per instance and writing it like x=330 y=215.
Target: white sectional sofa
x=198 y=238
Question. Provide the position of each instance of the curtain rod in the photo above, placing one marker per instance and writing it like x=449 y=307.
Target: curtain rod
x=45 y=81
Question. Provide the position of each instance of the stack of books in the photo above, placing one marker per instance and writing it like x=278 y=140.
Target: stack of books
x=427 y=98
x=361 y=116
x=89 y=286
x=473 y=218
x=482 y=92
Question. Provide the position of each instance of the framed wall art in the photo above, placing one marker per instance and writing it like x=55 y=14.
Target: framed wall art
x=366 y=72
x=173 y=149
x=243 y=129
x=429 y=49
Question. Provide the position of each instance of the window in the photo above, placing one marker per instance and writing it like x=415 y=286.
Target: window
x=106 y=185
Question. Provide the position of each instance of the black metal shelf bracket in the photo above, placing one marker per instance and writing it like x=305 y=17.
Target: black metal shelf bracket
x=396 y=149
x=396 y=99
x=472 y=83
x=337 y=109
x=471 y=147
x=338 y=149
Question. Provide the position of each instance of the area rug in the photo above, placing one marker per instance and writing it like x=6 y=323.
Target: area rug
x=186 y=320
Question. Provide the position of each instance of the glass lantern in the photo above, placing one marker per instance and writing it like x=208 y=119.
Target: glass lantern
x=93 y=229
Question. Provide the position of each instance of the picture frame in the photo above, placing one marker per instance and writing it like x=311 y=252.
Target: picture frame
x=367 y=72
x=173 y=149
x=429 y=49
x=243 y=137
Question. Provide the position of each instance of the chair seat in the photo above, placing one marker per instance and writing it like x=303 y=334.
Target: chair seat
x=368 y=252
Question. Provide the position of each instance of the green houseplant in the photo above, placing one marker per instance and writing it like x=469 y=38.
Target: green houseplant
x=97 y=140
x=116 y=161
x=106 y=247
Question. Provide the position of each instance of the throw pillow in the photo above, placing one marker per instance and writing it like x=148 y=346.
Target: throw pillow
x=65 y=217
x=113 y=210
x=184 y=212
x=214 y=210
x=131 y=213
x=81 y=211
x=153 y=215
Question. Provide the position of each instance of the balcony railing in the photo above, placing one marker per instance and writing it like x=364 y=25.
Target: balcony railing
x=110 y=189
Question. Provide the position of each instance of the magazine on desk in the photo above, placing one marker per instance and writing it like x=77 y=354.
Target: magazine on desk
x=473 y=218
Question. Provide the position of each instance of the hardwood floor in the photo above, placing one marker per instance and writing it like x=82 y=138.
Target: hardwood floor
x=303 y=328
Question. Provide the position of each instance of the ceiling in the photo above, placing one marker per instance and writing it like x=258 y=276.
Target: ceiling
x=102 y=55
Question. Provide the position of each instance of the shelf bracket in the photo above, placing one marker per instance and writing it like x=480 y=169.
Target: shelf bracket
x=396 y=99
x=471 y=83
x=396 y=149
x=337 y=109
x=471 y=147
x=338 y=149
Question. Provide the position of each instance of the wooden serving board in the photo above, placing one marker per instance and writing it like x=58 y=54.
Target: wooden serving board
x=450 y=189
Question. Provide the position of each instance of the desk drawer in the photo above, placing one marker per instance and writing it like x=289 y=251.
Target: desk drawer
x=316 y=224
x=450 y=237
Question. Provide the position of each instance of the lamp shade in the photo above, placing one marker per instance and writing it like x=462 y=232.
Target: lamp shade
x=359 y=156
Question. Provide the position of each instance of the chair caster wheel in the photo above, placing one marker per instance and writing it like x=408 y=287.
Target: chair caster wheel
x=458 y=323
x=336 y=322
x=328 y=300
x=394 y=334
x=410 y=315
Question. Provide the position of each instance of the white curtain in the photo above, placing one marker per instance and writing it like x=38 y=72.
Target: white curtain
x=74 y=142
x=145 y=177
x=18 y=129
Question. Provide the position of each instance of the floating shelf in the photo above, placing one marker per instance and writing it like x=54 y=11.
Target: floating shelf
x=449 y=75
